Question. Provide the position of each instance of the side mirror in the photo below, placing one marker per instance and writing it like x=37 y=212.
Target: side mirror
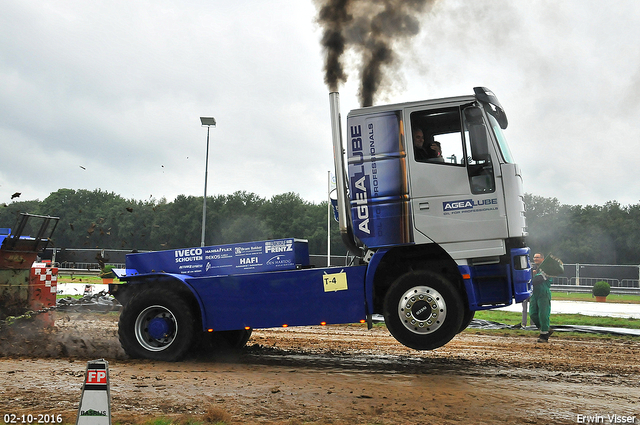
x=477 y=134
x=492 y=105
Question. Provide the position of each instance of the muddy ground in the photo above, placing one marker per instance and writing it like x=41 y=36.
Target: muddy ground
x=328 y=375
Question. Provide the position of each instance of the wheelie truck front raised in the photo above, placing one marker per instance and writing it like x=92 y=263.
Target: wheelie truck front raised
x=436 y=230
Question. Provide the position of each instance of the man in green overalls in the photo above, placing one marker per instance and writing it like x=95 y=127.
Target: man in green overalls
x=540 y=301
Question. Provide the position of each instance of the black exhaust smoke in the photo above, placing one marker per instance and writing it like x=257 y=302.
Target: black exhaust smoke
x=373 y=29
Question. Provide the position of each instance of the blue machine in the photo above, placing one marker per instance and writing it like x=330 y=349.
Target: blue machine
x=429 y=204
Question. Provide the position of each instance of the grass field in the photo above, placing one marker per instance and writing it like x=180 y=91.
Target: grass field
x=513 y=318
x=86 y=279
x=612 y=298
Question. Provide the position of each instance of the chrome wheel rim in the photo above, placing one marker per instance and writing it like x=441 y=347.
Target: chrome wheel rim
x=156 y=328
x=422 y=310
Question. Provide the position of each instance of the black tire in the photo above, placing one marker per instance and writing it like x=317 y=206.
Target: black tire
x=157 y=324
x=423 y=310
x=466 y=320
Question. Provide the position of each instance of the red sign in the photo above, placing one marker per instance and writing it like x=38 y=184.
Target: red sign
x=96 y=376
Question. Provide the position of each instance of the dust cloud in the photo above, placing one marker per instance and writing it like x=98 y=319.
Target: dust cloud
x=85 y=335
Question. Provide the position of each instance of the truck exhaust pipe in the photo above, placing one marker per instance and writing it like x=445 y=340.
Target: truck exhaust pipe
x=344 y=215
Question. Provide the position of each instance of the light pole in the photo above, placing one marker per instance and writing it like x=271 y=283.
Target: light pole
x=208 y=121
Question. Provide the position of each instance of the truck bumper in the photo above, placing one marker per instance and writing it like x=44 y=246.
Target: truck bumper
x=498 y=285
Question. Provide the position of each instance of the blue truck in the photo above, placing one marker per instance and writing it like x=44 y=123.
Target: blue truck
x=430 y=207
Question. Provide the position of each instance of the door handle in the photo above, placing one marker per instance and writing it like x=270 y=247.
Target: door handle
x=424 y=205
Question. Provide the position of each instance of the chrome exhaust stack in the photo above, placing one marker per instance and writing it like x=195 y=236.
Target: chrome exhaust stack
x=344 y=214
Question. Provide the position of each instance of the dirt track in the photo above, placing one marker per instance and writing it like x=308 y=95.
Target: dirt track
x=334 y=374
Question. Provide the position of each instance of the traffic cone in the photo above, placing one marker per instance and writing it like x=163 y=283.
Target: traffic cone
x=95 y=405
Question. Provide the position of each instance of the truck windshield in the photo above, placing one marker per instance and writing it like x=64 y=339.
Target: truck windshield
x=502 y=140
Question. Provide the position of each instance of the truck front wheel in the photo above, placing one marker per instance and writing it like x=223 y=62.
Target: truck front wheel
x=466 y=320
x=423 y=310
x=156 y=324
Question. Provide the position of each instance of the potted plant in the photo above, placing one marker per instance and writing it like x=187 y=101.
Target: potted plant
x=107 y=274
x=600 y=290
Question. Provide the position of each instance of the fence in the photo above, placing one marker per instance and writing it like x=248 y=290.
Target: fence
x=623 y=279
x=590 y=281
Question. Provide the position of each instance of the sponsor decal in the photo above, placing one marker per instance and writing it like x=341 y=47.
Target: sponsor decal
x=278 y=246
x=188 y=255
x=469 y=205
x=248 y=261
x=279 y=261
x=218 y=253
x=217 y=249
x=248 y=250
x=361 y=186
x=92 y=412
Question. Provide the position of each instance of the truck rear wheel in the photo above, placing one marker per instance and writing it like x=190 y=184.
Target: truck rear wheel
x=423 y=310
x=156 y=324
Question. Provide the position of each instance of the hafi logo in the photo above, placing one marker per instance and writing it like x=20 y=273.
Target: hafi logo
x=248 y=261
x=467 y=204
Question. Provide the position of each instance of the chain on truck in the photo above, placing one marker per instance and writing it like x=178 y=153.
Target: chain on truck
x=434 y=240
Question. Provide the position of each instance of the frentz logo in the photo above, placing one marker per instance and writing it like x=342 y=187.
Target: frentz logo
x=467 y=204
x=278 y=246
x=96 y=376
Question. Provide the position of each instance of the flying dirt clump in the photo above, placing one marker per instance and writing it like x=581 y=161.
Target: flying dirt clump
x=374 y=29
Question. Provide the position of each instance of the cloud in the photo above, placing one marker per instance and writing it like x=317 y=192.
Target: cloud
x=118 y=88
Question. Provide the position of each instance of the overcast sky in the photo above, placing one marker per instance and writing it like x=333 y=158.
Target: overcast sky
x=108 y=95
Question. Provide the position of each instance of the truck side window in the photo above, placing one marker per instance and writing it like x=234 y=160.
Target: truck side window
x=437 y=136
x=455 y=137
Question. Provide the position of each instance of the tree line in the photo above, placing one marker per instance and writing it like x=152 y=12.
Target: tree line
x=592 y=234
x=99 y=219
x=607 y=234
